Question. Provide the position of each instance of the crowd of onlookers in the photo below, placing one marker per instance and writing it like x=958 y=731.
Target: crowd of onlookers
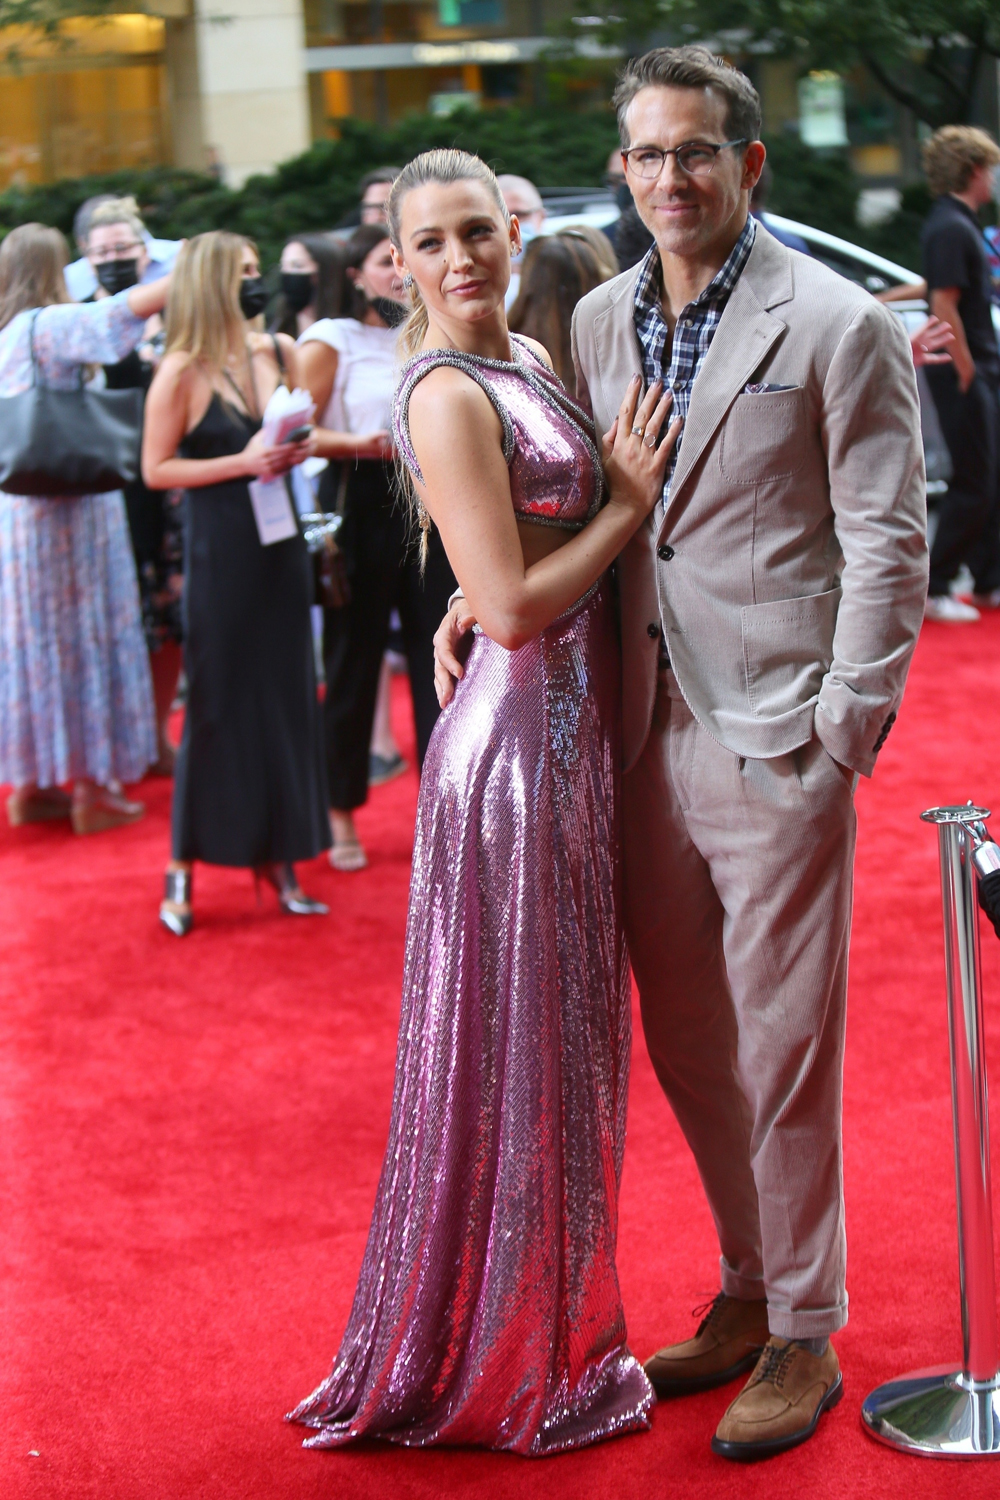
x=99 y=593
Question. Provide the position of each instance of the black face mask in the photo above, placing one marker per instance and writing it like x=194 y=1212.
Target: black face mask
x=392 y=313
x=298 y=289
x=623 y=194
x=118 y=275
x=253 y=296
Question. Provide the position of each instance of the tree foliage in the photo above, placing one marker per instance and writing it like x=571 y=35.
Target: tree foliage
x=930 y=55
x=47 y=14
x=313 y=191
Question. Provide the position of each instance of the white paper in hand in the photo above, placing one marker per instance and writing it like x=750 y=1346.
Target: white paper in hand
x=272 y=508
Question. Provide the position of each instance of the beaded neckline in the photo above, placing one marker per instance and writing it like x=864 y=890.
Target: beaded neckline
x=473 y=365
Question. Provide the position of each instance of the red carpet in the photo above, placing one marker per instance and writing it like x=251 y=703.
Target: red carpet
x=192 y=1131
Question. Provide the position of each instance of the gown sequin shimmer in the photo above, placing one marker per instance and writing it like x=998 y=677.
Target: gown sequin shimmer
x=488 y=1309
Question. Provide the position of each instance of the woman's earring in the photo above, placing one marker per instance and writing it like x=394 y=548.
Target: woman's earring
x=407 y=282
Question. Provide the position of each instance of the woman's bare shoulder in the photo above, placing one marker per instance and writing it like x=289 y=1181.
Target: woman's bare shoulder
x=447 y=395
x=178 y=368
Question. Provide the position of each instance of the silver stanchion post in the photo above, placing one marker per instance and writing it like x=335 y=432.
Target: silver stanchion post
x=942 y=1411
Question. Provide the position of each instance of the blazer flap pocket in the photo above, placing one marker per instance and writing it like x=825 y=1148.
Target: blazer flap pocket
x=787 y=649
x=764 y=436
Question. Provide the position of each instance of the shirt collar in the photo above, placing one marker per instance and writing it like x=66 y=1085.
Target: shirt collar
x=964 y=208
x=648 y=286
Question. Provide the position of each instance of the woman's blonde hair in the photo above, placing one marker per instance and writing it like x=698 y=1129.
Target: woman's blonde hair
x=117 y=211
x=203 y=313
x=952 y=155
x=444 y=167
x=32 y=259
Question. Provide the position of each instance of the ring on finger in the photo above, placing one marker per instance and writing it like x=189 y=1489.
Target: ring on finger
x=650 y=441
x=638 y=431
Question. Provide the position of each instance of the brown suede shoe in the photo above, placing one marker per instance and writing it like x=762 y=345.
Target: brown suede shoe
x=37 y=805
x=782 y=1402
x=727 y=1343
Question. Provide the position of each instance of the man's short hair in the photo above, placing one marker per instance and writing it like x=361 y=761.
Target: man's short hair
x=692 y=68
x=520 y=188
x=377 y=174
x=952 y=155
x=82 y=217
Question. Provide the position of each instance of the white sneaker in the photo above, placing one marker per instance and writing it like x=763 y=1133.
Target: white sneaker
x=948 y=611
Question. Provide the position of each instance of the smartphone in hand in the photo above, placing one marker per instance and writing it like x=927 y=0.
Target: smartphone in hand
x=298 y=434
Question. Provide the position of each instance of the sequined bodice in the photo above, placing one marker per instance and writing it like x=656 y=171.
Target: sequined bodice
x=548 y=441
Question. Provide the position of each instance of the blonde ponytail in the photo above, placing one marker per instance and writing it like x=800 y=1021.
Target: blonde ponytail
x=444 y=167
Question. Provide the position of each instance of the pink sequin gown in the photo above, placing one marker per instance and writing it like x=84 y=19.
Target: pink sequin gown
x=488 y=1309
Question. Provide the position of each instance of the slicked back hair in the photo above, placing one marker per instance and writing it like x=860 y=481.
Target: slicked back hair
x=691 y=68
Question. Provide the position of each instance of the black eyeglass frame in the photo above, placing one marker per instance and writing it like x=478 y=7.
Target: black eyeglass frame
x=714 y=146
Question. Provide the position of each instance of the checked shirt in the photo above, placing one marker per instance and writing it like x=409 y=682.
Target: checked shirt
x=677 y=364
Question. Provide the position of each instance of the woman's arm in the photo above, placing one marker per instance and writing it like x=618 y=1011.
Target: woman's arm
x=317 y=367
x=100 y=333
x=146 y=300
x=176 y=385
x=457 y=441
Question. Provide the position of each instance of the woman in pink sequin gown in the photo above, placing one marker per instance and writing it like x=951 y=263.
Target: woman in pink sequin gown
x=488 y=1309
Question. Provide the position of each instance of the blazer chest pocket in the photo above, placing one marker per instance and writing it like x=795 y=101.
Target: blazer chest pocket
x=764 y=436
x=787 y=650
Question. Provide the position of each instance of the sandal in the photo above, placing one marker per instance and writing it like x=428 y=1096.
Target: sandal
x=348 y=857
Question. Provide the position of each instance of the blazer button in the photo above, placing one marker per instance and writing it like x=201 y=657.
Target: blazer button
x=664 y=553
x=652 y=631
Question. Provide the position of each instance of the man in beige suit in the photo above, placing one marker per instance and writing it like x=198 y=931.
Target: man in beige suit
x=769 y=611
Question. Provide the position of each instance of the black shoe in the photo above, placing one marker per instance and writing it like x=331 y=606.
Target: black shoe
x=291 y=897
x=177 y=892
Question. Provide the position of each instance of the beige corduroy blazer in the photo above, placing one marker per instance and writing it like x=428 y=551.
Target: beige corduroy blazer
x=789 y=570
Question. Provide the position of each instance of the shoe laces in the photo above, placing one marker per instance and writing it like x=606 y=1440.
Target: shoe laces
x=774 y=1364
x=711 y=1310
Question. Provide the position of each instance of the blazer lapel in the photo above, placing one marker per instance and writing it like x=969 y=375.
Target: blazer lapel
x=745 y=333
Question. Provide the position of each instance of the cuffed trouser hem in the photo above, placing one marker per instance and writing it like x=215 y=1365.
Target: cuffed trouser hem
x=743 y=1288
x=808 y=1323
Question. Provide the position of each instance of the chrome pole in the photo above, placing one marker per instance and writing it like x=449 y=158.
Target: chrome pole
x=943 y=1411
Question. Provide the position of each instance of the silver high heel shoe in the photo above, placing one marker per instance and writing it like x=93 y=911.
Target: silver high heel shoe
x=177 y=892
x=291 y=898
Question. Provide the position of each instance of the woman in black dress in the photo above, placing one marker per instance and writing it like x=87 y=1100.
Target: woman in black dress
x=250 y=786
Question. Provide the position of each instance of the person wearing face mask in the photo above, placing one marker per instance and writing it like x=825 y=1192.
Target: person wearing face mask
x=523 y=199
x=76 y=702
x=312 y=283
x=350 y=367
x=81 y=276
x=116 y=251
x=249 y=788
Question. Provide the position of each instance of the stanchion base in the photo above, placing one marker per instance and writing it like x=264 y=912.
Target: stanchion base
x=938 y=1412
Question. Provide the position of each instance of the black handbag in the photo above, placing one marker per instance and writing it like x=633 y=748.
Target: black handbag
x=58 y=443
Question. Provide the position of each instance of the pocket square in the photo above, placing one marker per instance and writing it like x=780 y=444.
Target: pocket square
x=762 y=387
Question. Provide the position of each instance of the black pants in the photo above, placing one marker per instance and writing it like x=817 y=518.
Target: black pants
x=384 y=571
x=969 y=516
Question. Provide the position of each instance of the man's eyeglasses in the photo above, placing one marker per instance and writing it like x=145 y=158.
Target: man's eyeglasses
x=697 y=158
x=114 y=252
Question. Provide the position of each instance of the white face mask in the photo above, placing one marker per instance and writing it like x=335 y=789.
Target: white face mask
x=528 y=233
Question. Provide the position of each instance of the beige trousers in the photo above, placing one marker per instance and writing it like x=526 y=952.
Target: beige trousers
x=738 y=883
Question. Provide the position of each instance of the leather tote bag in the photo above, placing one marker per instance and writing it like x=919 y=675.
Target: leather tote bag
x=59 y=443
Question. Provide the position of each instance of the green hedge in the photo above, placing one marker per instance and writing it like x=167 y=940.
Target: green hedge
x=313 y=191
x=553 y=146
